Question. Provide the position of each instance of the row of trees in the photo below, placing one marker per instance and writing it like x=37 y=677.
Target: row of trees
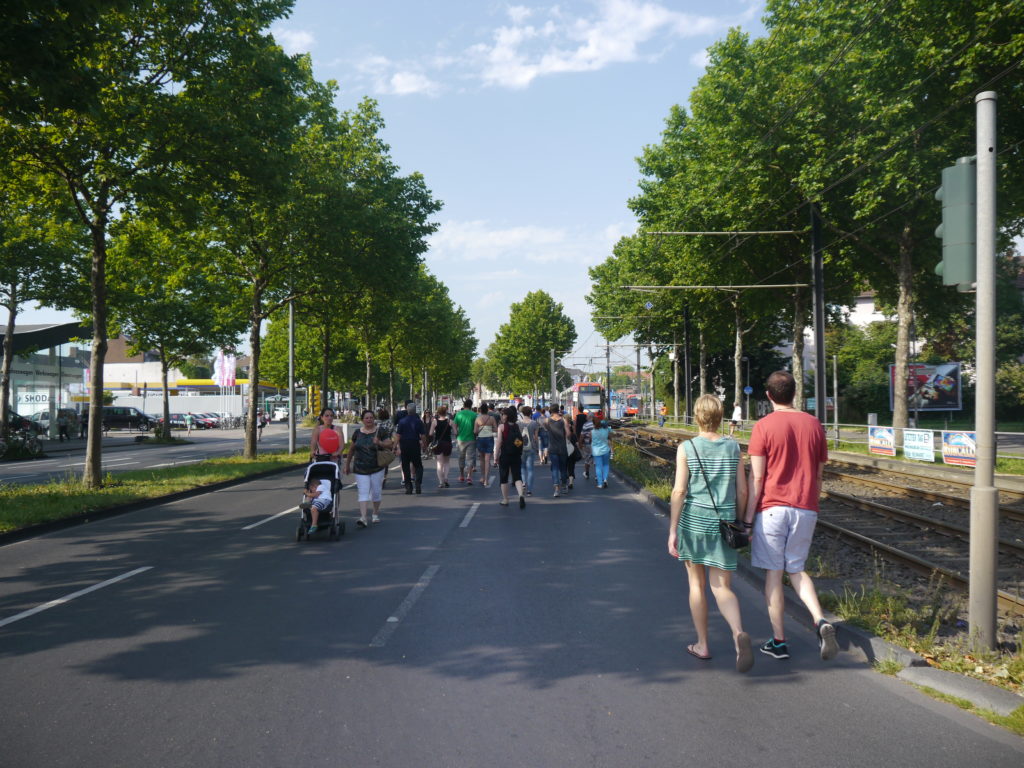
x=855 y=108
x=519 y=358
x=171 y=174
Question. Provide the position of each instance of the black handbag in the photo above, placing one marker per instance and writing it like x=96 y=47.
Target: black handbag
x=733 y=531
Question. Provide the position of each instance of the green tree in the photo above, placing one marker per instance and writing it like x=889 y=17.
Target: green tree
x=521 y=352
x=155 y=65
x=160 y=301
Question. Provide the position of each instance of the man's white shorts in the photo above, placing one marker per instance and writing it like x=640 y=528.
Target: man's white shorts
x=782 y=538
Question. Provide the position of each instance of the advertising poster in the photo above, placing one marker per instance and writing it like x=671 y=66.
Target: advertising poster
x=959 y=448
x=929 y=386
x=919 y=444
x=882 y=441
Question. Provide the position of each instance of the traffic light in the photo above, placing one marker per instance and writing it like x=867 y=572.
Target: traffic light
x=957 y=230
x=315 y=397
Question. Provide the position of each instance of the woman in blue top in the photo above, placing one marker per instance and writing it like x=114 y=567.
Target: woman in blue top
x=710 y=486
x=600 y=450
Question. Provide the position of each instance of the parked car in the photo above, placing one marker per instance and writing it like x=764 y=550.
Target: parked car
x=16 y=421
x=213 y=418
x=42 y=419
x=280 y=414
x=177 y=420
x=126 y=417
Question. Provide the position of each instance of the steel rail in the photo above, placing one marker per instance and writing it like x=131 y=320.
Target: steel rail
x=924 y=493
x=1007 y=601
x=948 y=529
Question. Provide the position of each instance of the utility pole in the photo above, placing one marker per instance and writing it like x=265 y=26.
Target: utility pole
x=817 y=267
x=639 y=382
x=686 y=360
x=675 y=376
x=291 y=377
x=984 y=495
x=608 y=373
x=552 y=398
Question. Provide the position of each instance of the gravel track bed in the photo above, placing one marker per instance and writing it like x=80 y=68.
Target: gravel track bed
x=1011 y=530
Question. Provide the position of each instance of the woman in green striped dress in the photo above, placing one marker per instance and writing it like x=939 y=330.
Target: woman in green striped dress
x=710 y=486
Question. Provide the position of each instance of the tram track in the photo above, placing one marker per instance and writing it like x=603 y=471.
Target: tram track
x=919 y=542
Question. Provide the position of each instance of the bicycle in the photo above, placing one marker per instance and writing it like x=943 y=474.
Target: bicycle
x=20 y=440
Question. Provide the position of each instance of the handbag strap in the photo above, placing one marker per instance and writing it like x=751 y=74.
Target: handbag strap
x=706 y=481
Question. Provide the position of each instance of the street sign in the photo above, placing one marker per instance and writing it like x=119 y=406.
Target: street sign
x=748 y=390
x=648 y=305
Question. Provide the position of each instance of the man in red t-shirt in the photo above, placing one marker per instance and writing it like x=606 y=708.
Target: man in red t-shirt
x=787 y=454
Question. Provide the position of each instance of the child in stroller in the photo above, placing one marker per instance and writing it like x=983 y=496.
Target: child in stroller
x=320 y=501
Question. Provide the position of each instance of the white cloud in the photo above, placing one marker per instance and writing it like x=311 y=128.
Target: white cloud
x=522 y=52
x=539 y=42
x=700 y=59
x=293 y=40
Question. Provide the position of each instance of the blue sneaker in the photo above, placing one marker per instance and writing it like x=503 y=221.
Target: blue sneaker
x=312 y=530
x=774 y=649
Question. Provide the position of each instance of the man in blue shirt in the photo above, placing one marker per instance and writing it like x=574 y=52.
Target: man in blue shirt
x=411 y=435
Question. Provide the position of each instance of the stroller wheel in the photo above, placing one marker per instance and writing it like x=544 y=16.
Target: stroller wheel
x=300 y=532
x=341 y=529
x=334 y=532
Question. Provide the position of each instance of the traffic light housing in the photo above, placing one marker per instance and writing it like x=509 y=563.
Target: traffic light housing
x=957 y=230
x=315 y=400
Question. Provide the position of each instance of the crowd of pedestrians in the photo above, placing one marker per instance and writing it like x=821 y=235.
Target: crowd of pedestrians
x=777 y=508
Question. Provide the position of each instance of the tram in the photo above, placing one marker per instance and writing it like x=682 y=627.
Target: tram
x=586 y=396
x=632 y=405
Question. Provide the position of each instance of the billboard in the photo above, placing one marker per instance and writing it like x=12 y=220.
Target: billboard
x=929 y=386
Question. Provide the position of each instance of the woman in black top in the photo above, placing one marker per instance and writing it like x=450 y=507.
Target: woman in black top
x=441 y=436
x=366 y=442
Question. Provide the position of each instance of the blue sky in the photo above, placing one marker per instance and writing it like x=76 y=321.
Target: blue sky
x=525 y=120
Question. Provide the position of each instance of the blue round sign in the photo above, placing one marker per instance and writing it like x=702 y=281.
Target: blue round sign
x=748 y=390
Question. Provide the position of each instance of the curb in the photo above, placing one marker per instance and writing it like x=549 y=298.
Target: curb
x=32 y=531
x=866 y=646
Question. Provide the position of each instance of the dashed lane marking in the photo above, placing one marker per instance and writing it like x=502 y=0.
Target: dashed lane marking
x=272 y=517
x=72 y=596
x=469 y=515
x=385 y=633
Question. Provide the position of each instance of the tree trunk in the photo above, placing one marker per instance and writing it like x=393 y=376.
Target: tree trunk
x=93 y=472
x=255 y=323
x=325 y=364
x=391 y=379
x=797 y=363
x=369 y=381
x=702 y=364
x=904 y=317
x=165 y=432
x=5 y=376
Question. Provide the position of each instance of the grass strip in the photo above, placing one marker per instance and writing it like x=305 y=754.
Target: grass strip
x=647 y=473
x=22 y=506
x=1012 y=722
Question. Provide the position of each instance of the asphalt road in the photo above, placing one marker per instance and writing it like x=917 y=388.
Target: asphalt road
x=455 y=633
x=121 y=453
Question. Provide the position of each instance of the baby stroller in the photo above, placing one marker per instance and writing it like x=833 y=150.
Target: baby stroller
x=328 y=518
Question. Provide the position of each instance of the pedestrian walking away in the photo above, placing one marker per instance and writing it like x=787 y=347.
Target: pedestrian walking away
x=531 y=441
x=601 y=449
x=484 y=427
x=558 y=453
x=710 y=487
x=440 y=435
x=573 y=453
x=362 y=456
x=464 y=421
x=189 y=418
x=737 y=419
x=542 y=452
x=508 y=456
x=787 y=455
x=411 y=435
x=386 y=430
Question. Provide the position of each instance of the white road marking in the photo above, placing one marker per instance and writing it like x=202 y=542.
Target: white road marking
x=173 y=463
x=14 y=477
x=469 y=515
x=72 y=596
x=272 y=517
x=382 y=637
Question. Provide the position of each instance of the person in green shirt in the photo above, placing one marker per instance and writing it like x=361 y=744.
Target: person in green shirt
x=467 y=441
